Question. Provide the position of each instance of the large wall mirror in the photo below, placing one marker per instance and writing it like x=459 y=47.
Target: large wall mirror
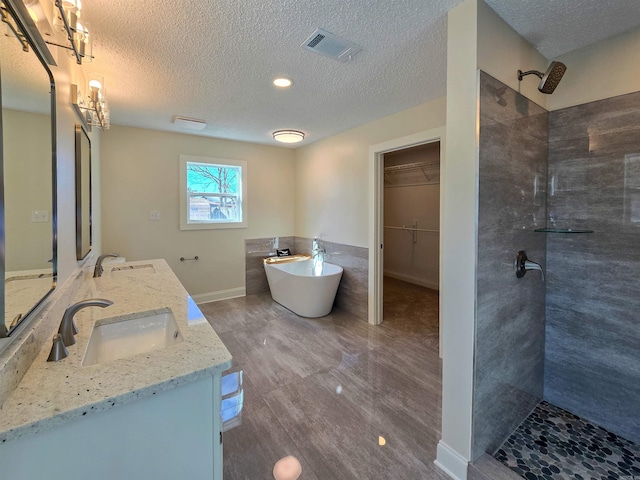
x=83 y=193
x=28 y=223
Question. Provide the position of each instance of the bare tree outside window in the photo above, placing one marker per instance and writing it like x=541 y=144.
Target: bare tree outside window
x=214 y=192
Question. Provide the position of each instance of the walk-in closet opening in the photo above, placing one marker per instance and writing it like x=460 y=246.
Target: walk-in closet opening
x=411 y=234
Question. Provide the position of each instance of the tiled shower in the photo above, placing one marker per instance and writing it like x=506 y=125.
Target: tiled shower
x=574 y=338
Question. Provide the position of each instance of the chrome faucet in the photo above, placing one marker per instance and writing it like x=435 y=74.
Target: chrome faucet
x=317 y=256
x=98 y=270
x=68 y=327
x=317 y=250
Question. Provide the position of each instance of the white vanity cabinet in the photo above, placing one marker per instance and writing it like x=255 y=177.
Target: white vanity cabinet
x=174 y=434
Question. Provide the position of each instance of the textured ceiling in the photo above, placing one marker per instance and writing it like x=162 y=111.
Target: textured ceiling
x=215 y=60
x=556 y=27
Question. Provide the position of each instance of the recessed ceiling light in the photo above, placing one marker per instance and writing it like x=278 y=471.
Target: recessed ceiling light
x=282 y=82
x=288 y=136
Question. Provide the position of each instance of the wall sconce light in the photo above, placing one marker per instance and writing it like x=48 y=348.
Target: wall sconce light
x=15 y=29
x=66 y=17
x=92 y=108
x=288 y=136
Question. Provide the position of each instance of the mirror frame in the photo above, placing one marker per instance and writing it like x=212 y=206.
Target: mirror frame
x=80 y=254
x=21 y=16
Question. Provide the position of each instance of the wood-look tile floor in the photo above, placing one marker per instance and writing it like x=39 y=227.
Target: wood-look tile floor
x=331 y=390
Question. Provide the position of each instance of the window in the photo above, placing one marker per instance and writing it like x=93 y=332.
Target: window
x=213 y=193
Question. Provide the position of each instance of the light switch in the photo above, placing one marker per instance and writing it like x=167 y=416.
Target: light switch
x=39 y=216
x=154 y=215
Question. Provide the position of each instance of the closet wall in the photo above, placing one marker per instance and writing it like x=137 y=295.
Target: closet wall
x=412 y=214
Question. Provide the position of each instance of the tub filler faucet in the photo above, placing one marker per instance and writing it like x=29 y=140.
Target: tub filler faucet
x=317 y=256
x=317 y=250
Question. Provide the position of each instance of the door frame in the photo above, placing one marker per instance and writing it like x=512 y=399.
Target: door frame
x=376 y=210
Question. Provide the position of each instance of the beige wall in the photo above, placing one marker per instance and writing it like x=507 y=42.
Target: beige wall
x=595 y=72
x=604 y=70
x=502 y=52
x=66 y=121
x=140 y=172
x=332 y=190
x=459 y=246
x=27 y=152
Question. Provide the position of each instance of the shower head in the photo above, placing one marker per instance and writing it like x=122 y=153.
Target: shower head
x=550 y=79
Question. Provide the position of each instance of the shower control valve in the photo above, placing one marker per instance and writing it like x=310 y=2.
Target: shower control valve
x=522 y=264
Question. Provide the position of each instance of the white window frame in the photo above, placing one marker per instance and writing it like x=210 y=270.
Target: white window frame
x=185 y=223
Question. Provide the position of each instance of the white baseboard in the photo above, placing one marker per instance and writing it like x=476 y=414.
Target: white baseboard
x=414 y=280
x=219 y=295
x=451 y=462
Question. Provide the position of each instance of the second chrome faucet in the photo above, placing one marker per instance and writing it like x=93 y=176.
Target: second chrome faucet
x=98 y=270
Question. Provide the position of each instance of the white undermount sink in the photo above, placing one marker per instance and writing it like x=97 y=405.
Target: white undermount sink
x=127 y=270
x=120 y=337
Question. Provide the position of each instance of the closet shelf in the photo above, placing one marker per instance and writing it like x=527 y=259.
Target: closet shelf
x=412 y=166
x=412 y=174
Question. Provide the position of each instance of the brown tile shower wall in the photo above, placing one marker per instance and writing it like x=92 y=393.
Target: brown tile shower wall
x=510 y=312
x=592 y=365
x=353 y=291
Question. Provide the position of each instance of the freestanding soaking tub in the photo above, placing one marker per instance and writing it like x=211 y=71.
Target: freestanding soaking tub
x=305 y=287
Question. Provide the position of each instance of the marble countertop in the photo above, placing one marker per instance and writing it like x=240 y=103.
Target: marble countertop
x=52 y=393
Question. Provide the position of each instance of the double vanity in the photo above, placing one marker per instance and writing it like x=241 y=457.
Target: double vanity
x=138 y=395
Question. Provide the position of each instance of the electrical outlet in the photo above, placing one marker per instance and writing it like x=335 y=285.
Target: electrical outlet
x=154 y=215
x=39 y=216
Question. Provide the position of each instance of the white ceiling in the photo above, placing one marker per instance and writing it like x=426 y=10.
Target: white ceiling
x=556 y=27
x=215 y=60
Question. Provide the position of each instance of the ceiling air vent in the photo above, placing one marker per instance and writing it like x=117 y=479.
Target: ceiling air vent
x=189 y=123
x=329 y=45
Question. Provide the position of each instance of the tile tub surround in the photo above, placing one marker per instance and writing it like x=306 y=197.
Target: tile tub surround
x=553 y=443
x=256 y=250
x=592 y=365
x=353 y=291
x=52 y=393
x=510 y=312
x=293 y=367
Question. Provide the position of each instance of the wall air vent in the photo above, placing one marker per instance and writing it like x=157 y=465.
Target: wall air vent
x=329 y=45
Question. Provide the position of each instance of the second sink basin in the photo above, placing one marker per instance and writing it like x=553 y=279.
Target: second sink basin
x=120 y=337
x=128 y=270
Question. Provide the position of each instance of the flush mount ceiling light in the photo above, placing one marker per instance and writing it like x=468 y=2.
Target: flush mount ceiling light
x=282 y=82
x=288 y=136
x=189 y=123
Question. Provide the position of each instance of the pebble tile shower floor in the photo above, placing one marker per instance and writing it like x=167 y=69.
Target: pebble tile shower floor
x=554 y=444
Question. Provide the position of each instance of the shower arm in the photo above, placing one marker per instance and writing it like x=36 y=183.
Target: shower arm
x=529 y=72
